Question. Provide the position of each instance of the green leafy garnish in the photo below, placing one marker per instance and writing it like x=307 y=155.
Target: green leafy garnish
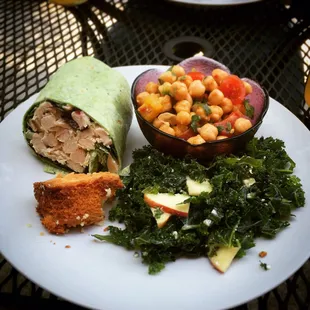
x=158 y=213
x=98 y=158
x=220 y=128
x=125 y=171
x=228 y=126
x=249 y=109
x=264 y=265
x=165 y=92
x=233 y=214
x=206 y=108
x=54 y=170
x=194 y=122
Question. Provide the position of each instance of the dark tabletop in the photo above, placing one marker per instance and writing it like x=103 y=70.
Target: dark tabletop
x=266 y=41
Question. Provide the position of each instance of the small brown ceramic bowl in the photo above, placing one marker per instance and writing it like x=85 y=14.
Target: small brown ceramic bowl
x=178 y=147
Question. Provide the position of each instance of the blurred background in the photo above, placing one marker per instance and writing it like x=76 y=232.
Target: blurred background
x=268 y=41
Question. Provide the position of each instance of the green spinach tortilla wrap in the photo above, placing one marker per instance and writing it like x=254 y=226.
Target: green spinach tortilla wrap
x=81 y=118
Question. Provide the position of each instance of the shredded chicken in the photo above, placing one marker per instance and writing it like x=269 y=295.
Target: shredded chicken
x=54 y=138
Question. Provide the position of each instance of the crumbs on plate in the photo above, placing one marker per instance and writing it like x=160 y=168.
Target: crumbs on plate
x=262 y=254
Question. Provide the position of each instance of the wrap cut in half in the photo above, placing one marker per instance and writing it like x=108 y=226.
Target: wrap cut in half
x=81 y=118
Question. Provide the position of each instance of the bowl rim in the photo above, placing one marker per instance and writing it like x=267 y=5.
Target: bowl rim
x=257 y=124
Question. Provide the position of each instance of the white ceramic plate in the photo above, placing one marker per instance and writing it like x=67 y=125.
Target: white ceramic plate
x=215 y=2
x=104 y=276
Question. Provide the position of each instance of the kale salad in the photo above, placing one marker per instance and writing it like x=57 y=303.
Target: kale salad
x=234 y=200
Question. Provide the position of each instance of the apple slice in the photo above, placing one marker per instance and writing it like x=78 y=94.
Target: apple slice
x=223 y=258
x=195 y=188
x=170 y=203
x=162 y=218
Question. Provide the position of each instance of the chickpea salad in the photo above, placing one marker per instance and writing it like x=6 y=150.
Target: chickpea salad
x=175 y=208
x=197 y=107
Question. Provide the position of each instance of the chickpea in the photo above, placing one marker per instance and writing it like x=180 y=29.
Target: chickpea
x=178 y=70
x=178 y=91
x=219 y=75
x=242 y=124
x=208 y=132
x=179 y=129
x=196 y=89
x=216 y=113
x=186 y=79
x=183 y=118
x=167 y=77
x=151 y=87
x=140 y=98
x=248 y=87
x=167 y=129
x=167 y=117
x=157 y=122
x=182 y=105
x=166 y=103
x=189 y=99
x=200 y=111
x=196 y=140
x=165 y=88
x=221 y=137
x=215 y=97
x=226 y=105
x=209 y=83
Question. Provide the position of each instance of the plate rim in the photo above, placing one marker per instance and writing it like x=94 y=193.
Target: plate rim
x=233 y=305
x=212 y=4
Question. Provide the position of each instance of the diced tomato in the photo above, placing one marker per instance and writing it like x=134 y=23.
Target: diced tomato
x=229 y=121
x=239 y=107
x=187 y=134
x=233 y=88
x=196 y=75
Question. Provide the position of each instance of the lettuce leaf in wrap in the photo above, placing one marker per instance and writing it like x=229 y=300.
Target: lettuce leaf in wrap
x=81 y=118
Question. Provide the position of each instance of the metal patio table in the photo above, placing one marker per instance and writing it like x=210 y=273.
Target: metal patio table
x=268 y=41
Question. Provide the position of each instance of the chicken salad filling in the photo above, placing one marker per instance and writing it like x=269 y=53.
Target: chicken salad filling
x=71 y=138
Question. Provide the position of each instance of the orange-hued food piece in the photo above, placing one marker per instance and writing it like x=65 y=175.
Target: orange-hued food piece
x=151 y=108
x=187 y=134
x=74 y=199
x=262 y=254
x=231 y=118
x=307 y=91
x=239 y=107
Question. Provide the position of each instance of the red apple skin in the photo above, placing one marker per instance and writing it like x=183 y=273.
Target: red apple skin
x=154 y=204
x=175 y=212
